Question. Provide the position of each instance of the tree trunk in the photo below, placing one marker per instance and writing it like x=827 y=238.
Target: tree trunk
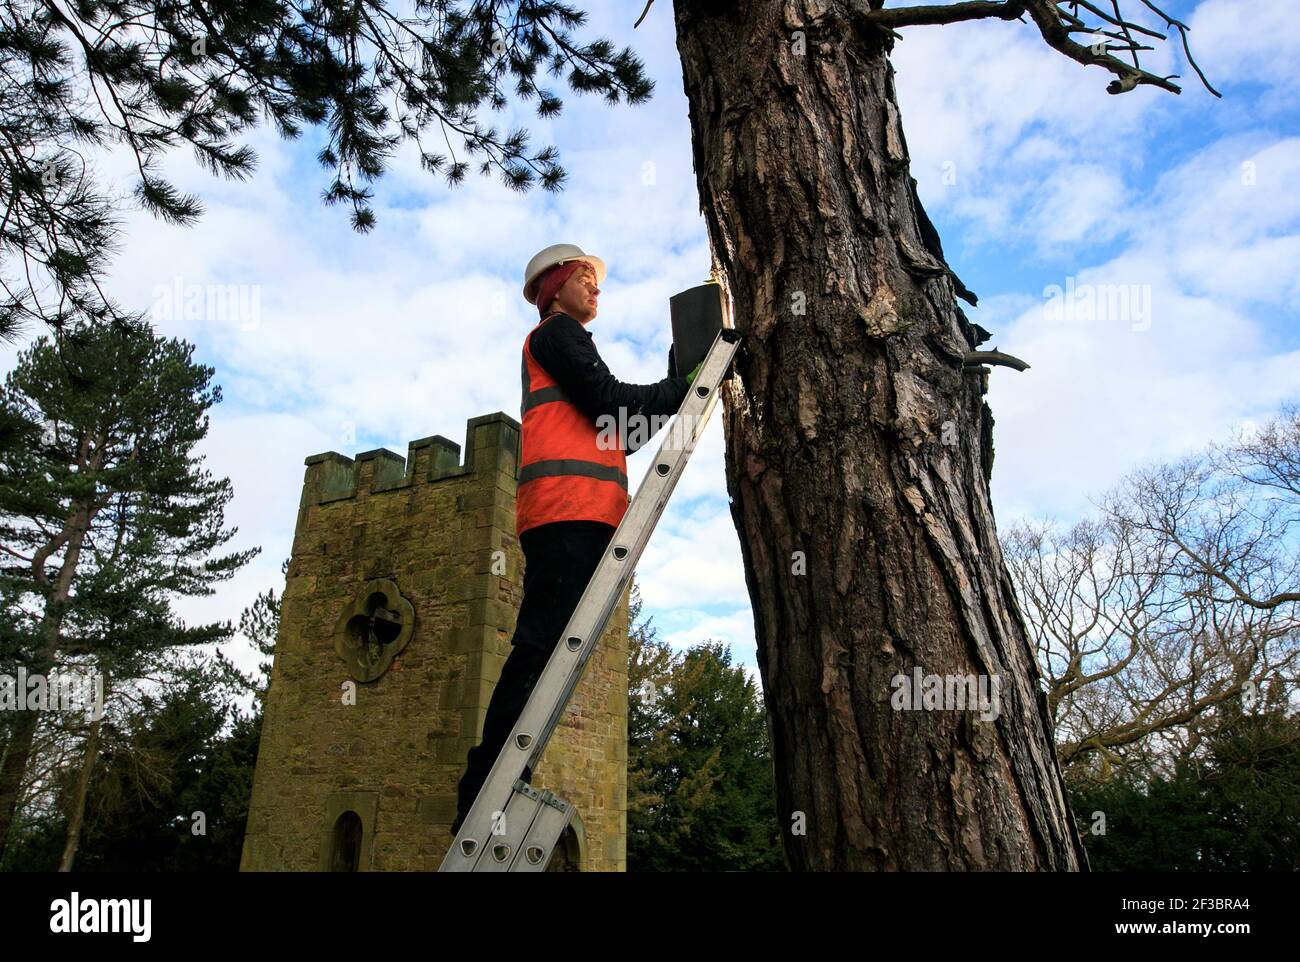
x=13 y=766
x=858 y=446
x=78 y=813
x=18 y=752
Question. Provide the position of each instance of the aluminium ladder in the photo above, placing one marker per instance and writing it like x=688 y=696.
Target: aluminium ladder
x=512 y=826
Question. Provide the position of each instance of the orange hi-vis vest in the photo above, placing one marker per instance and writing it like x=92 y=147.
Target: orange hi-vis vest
x=563 y=474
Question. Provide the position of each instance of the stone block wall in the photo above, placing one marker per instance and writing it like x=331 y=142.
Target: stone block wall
x=365 y=773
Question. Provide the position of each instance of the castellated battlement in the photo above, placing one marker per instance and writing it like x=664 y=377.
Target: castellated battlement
x=491 y=449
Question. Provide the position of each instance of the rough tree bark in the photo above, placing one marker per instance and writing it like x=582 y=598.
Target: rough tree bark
x=855 y=435
x=22 y=736
x=90 y=754
x=18 y=751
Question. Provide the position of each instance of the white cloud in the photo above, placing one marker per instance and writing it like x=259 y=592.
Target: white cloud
x=1077 y=202
x=1235 y=43
x=735 y=630
x=1106 y=394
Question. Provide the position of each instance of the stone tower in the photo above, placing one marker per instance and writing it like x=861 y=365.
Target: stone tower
x=398 y=609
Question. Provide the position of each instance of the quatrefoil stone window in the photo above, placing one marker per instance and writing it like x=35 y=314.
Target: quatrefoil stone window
x=374 y=629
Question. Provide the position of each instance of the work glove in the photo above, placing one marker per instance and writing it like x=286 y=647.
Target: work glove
x=672 y=366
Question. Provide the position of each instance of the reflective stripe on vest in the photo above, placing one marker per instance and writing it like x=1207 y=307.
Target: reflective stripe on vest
x=563 y=474
x=550 y=469
x=534 y=398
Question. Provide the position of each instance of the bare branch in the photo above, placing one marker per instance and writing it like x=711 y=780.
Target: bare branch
x=648 y=4
x=976 y=358
x=951 y=13
x=1055 y=23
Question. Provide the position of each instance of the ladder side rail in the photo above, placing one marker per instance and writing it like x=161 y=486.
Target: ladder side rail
x=564 y=669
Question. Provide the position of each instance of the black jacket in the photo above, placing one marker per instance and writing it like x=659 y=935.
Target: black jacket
x=564 y=347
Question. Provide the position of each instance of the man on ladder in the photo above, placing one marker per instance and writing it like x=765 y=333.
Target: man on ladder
x=572 y=490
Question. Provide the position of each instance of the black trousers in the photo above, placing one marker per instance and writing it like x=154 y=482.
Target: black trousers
x=559 y=560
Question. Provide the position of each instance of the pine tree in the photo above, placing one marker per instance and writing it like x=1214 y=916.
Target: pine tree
x=185 y=749
x=107 y=516
x=199 y=75
x=171 y=785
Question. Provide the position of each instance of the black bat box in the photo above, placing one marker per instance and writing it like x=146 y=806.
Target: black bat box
x=697 y=317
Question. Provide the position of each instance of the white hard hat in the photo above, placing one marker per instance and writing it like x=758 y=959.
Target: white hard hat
x=557 y=254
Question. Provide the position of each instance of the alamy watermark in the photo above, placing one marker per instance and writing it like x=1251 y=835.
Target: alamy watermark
x=75 y=915
x=922 y=692
x=1099 y=302
x=237 y=303
x=636 y=429
x=58 y=691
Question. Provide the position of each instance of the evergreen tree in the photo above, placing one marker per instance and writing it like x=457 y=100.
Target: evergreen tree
x=106 y=516
x=187 y=749
x=1236 y=809
x=1252 y=784
x=201 y=75
x=700 y=792
x=259 y=623
x=1155 y=826
x=170 y=790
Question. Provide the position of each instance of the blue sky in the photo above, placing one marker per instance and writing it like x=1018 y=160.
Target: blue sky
x=1033 y=174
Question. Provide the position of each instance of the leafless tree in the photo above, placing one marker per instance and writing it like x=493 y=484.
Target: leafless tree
x=1180 y=597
